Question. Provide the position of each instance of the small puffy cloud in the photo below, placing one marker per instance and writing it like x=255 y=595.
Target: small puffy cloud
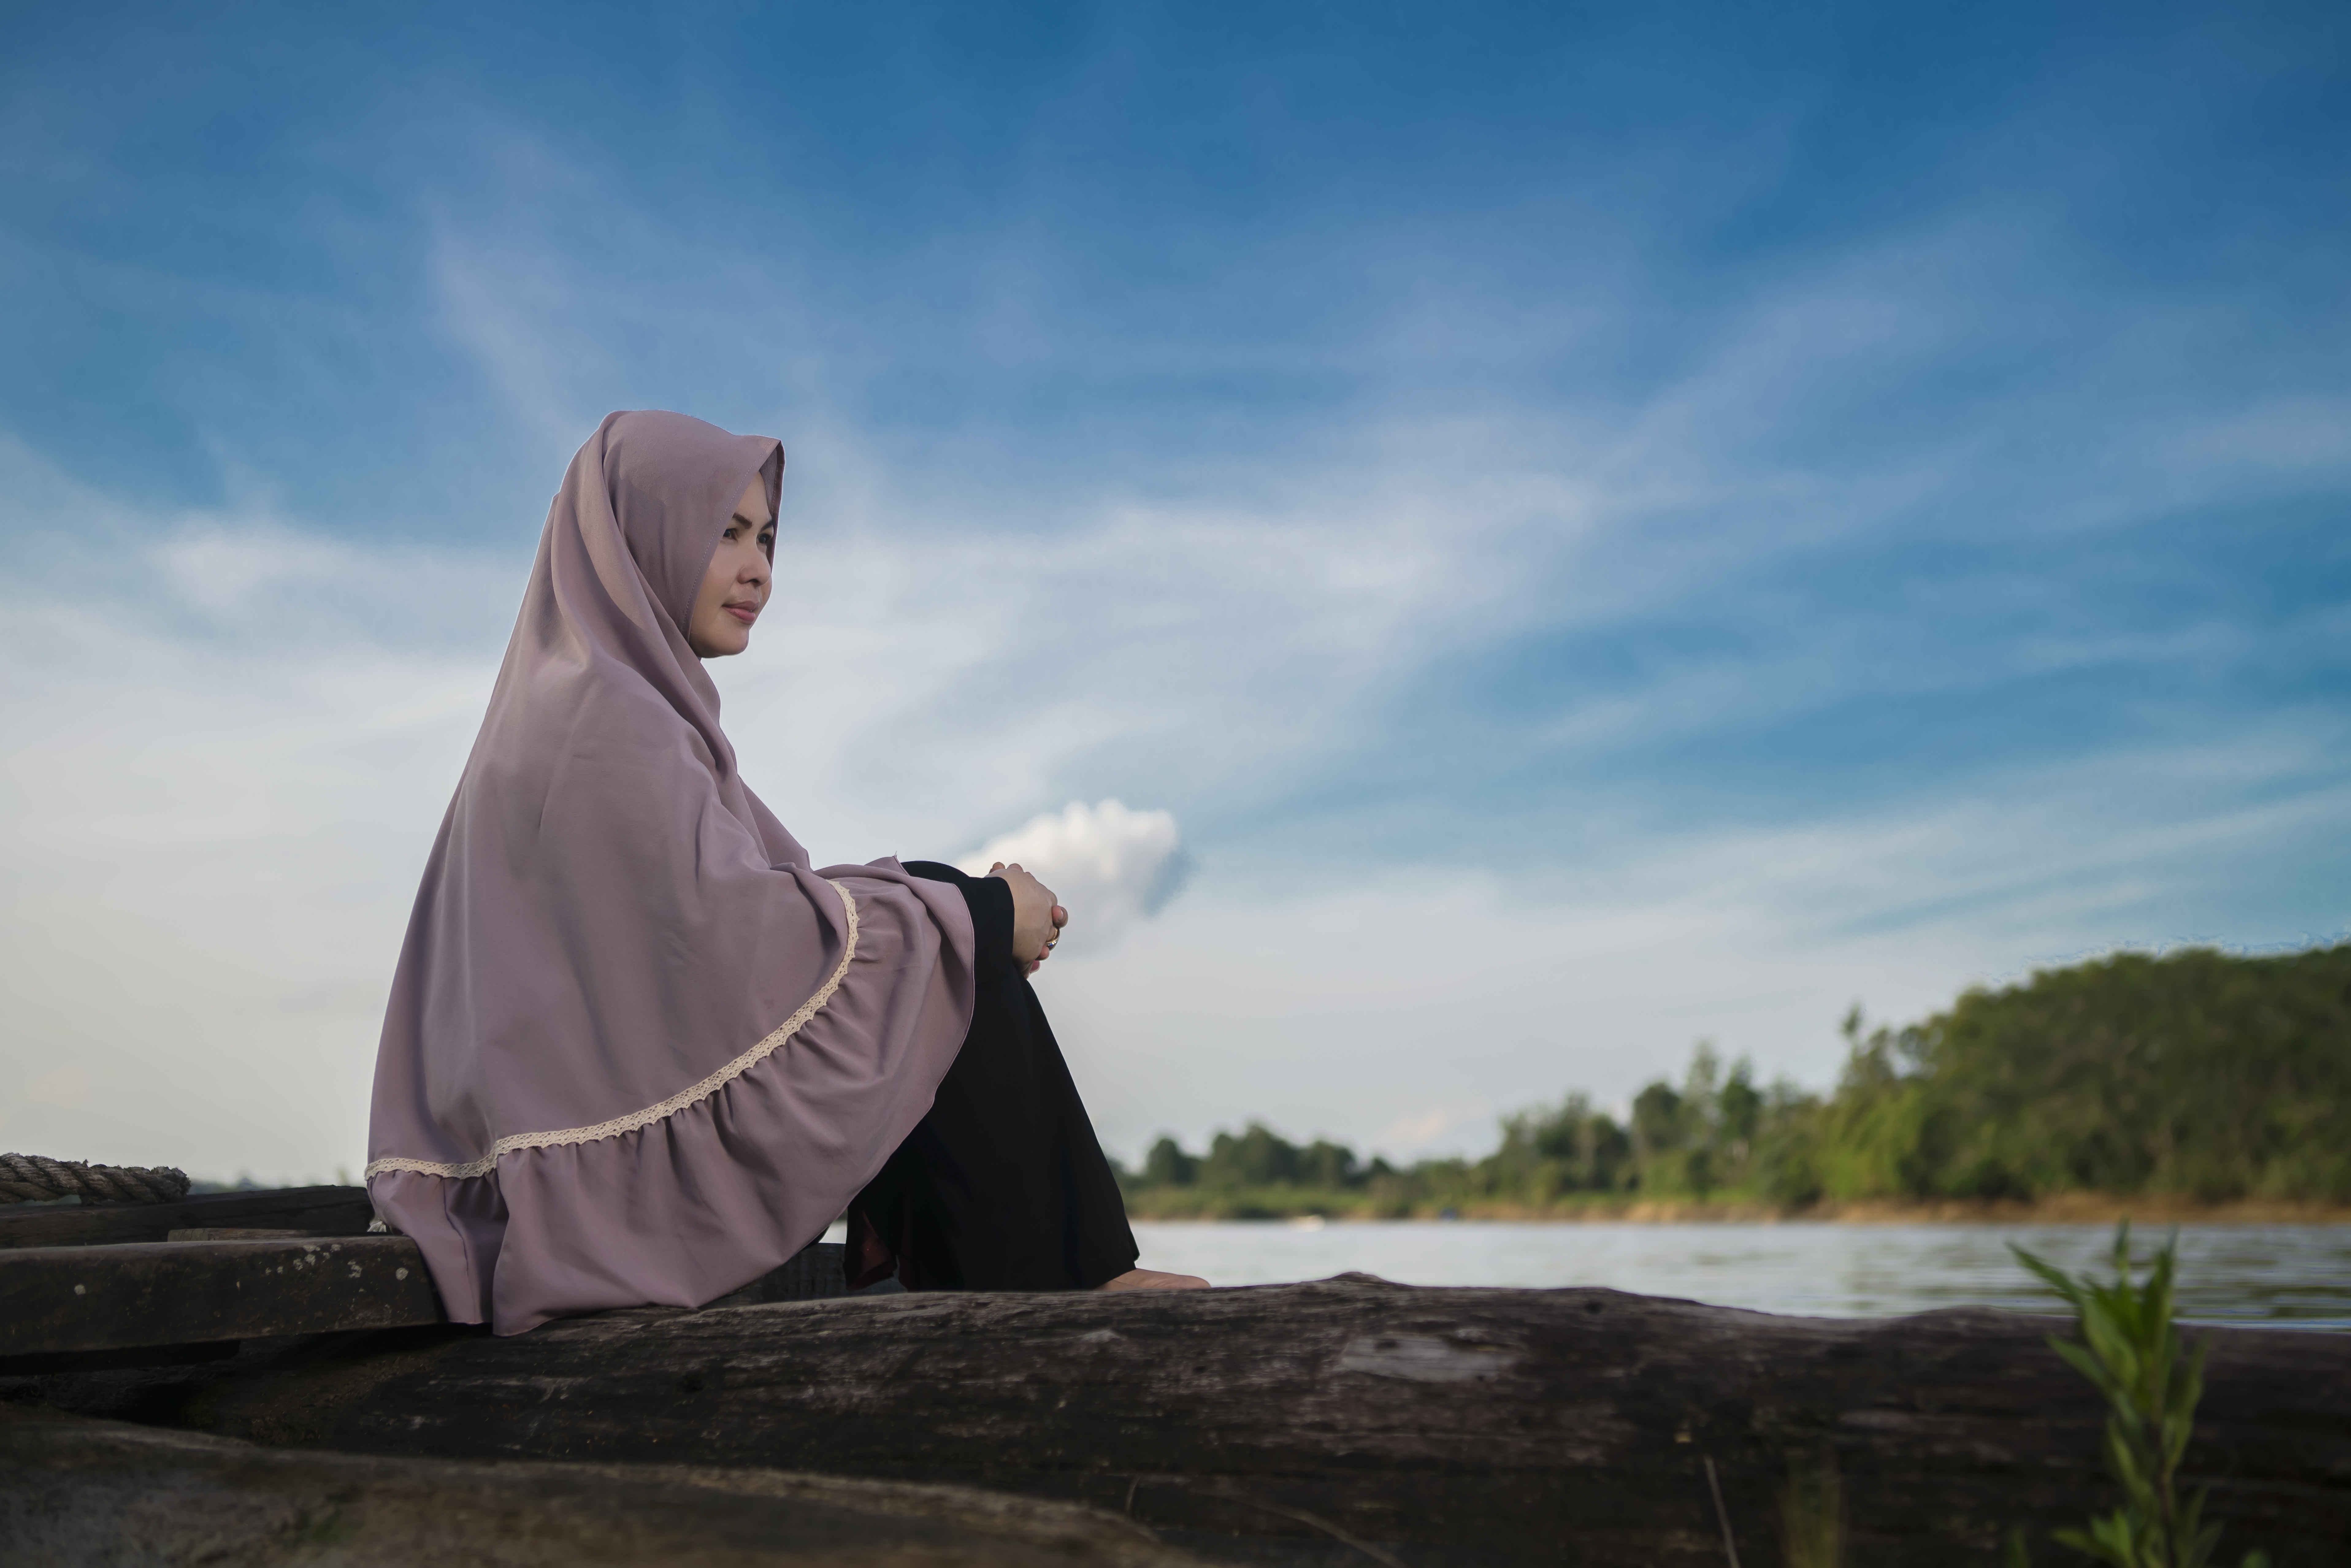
x=1109 y=865
x=1422 y=1132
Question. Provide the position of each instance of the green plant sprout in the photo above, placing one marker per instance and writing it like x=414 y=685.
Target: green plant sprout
x=2129 y=1348
x=1812 y=1515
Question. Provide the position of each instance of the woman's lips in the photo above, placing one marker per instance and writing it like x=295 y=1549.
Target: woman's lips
x=745 y=613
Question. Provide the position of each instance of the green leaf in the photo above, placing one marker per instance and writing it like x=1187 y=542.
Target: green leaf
x=2123 y=1460
x=2094 y=1546
x=2128 y=1348
x=2085 y=1362
x=2056 y=1279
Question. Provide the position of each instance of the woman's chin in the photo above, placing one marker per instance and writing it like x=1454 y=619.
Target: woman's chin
x=723 y=643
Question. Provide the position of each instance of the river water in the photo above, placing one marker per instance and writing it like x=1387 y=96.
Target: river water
x=2286 y=1276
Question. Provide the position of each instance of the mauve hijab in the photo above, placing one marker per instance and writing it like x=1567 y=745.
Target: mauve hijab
x=637 y=1049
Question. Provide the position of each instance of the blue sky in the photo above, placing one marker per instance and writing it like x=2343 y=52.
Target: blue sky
x=1604 y=527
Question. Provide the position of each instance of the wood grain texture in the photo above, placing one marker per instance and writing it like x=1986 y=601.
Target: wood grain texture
x=56 y=1300
x=75 y=1491
x=1345 y=1421
x=313 y=1210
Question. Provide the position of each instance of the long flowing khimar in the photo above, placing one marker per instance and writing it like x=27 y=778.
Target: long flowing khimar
x=638 y=1050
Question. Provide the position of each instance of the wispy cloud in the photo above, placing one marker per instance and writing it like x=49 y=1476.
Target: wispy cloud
x=216 y=818
x=1587 y=565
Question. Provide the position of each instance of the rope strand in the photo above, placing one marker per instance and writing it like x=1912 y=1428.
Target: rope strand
x=32 y=1178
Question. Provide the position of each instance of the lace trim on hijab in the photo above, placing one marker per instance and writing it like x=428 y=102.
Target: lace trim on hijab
x=651 y=1114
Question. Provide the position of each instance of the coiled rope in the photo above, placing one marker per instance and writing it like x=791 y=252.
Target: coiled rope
x=30 y=1178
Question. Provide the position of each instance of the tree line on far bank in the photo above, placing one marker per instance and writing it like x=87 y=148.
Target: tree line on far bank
x=2199 y=1075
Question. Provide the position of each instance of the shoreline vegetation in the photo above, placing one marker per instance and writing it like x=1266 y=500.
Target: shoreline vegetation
x=2195 y=1086
x=2100 y=1209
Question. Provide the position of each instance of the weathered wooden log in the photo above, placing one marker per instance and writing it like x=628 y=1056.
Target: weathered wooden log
x=312 y=1210
x=58 y=1300
x=811 y=1274
x=190 y=1299
x=79 y=1493
x=1343 y=1421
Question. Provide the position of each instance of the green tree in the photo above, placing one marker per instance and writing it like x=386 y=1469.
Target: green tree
x=1327 y=1164
x=1168 y=1166
x=1259 y=1157
x=2198 y=1073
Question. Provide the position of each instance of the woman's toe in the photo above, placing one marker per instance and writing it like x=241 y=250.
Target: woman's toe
x=1153 y=1279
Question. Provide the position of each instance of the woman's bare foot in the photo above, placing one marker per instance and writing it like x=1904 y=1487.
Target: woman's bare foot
x=1153 y=1280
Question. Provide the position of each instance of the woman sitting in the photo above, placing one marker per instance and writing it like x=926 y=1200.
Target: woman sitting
x=638 y=1050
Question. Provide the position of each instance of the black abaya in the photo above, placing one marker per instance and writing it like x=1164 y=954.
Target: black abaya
x=1003 y=1185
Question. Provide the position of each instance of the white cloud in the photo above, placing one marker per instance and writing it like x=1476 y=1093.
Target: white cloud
x=211 y=822
x=1439 y=1126
x=1108 y=865
x=214 y=801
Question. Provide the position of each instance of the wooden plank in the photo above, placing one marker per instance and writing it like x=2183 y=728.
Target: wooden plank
x=1446 y=1428
x=59 y=1298
x=312 y=1210
x=234 y=1233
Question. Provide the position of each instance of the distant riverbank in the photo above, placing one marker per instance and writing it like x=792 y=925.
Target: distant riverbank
x=2120 y=1087
x=2064 y=1208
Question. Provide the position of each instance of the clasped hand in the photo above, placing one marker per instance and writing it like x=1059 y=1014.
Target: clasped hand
x=1037 y=919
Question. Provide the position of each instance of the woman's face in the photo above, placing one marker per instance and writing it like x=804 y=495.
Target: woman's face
x=735 y=589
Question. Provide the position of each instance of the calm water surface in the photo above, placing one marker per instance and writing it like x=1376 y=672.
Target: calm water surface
x=2290 y=1276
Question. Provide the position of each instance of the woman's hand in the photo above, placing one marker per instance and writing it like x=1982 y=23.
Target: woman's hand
x=1037 y=919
